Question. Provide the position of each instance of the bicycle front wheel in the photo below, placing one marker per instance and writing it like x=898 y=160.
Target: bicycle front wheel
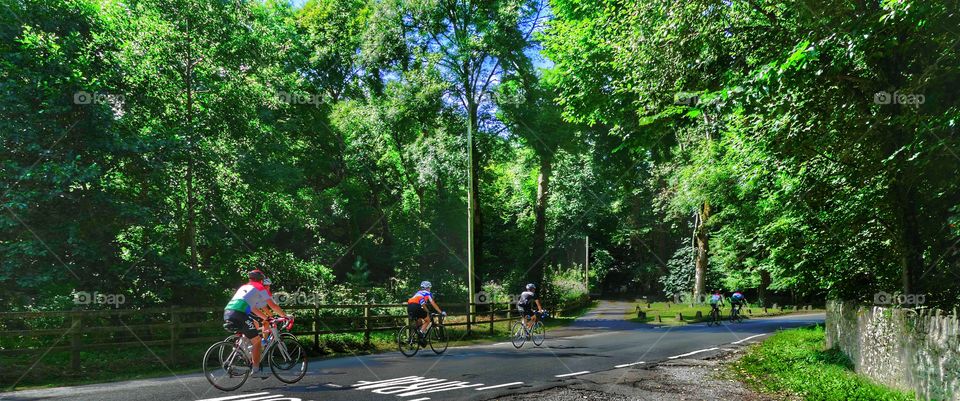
x=519 y=334
x=538 y=334
x=407 y=340
x=225 y=366
x=288 y=359
x=439 y=340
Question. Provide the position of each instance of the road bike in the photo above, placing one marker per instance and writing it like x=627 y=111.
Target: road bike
x=227 y=364
x=735 y=315
x=520 y=332
x=714 y=316
x=409 y=339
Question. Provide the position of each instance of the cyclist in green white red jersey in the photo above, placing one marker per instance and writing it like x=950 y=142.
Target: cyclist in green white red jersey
x=244 y=307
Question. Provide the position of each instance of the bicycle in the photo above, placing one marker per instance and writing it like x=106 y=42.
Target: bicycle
x=520 y=332
x=229 y=361
x=735 y=315
x=714 y=316
x=409 y=339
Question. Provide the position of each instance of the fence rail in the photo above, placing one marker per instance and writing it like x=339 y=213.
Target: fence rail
x=79 y=329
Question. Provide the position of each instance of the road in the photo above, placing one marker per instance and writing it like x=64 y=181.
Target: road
x=600 y=341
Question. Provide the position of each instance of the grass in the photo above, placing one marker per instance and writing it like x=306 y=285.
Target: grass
x=131 y=363
x=795 y=362
x=668 y=312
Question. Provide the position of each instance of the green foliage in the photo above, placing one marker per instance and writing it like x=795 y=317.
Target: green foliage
x=794 y=361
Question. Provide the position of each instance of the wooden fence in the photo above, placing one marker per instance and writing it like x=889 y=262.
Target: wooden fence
x=83 y=330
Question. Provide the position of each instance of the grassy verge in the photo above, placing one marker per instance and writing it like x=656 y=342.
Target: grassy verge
x=669 y=312
x=795 y=362
x=53 y=369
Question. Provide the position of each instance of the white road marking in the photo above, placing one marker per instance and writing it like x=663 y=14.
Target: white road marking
x=499 y=385
x=628 y=364
x=235 y=397
x=421 y=399
x=574 y=373
x=254 y=397
x=413 y=385
x=748 y=338
x=334 y=385
x=692 y=353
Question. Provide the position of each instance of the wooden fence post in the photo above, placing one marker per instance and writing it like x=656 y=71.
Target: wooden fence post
x=366 y=325
x=492 y=310
x=174 y=323
x=468 y=317
x=75 y=338
x=510 y=310
x=316 y=333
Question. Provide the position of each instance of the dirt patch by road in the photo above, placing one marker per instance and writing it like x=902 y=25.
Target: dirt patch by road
x=681 y=379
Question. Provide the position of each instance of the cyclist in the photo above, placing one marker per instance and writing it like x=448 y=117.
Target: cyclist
x=737 y=301
x=716 y=302
x=417 y=308
x=525 y=305
x=244 y=307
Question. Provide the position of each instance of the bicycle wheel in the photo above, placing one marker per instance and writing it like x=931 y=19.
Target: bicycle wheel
x=407 y=340
x=288 y=359
x=538 y=334
x=226 y=373
x=439 y=340
x=518 y=334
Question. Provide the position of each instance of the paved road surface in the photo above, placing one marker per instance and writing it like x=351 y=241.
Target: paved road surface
x=599 y=341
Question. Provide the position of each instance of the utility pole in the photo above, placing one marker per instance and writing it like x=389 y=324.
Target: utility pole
x=586 y=264
x=470 y=267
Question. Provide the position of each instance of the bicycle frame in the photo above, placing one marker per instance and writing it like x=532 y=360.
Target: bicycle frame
x=272 y=340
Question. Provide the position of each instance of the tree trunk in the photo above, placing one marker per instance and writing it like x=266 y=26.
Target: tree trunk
x=472 y=109
x=191 y=199
x=540 y=225
x=764 y=285
x=703 y=247
x=911 y=247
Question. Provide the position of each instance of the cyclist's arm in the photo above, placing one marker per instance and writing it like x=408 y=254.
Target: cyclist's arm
x=259 y=313
x=539 y=306
x=275 y=307
x=435 y=306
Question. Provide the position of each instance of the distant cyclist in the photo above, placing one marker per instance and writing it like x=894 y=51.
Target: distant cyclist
x=716 y=300
x=417 y=308
x=244 y=307
x=525 y=304
x=737 y=301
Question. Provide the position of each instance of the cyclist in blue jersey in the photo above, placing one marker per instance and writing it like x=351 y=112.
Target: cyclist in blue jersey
x=737 y=301
x=417 y=307
x=716 y=300
x=244 y=307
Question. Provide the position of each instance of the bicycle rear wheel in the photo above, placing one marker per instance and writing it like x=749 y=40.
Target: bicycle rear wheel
x=538 y=334
x=288 y=359
x=438 y=339
x=407 y=340
x=225 y=366
x=518 y=334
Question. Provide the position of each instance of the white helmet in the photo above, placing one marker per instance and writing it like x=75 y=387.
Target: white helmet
x=425 y=284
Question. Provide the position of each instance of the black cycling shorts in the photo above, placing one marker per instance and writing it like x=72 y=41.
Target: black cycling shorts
x=239 y=322
x=416 y=311
x=525 y=310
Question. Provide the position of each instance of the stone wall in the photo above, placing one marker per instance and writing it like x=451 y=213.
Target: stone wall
x=908 y=349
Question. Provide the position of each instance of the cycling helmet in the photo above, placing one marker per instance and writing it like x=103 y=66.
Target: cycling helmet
x=531 y=286
x=256 y=275
x=267 y=282
x=425 y=284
